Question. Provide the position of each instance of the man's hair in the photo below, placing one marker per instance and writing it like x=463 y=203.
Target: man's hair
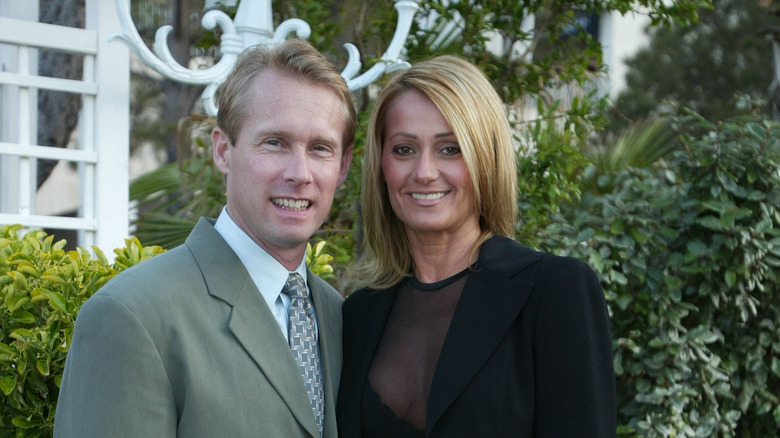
x=473 y=109
x=296 y=58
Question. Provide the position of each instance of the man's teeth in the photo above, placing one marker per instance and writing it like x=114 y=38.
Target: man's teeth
x=428 y=195
x=291 y=204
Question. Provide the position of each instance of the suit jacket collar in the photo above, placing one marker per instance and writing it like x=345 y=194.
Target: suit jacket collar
x=252 y=322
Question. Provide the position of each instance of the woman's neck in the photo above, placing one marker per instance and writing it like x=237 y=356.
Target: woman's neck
x=439 y=256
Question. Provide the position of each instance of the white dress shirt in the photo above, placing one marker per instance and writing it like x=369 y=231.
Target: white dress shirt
x=266 y=272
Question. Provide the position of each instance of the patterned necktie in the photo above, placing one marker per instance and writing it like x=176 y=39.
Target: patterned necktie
x=303 y=342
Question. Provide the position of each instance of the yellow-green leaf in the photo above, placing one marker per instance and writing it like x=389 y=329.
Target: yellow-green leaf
x=19 y=280
x=58 y=301
x=54 y=278
x=24 y=423
x=23 y=316
x=21 y=335
x=8 y=384
x=43 y=367
x=29 y=270
x=47 y=243
x=16 y=301
x=5 y=348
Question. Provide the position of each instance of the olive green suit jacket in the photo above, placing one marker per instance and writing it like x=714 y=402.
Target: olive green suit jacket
x=183 y=345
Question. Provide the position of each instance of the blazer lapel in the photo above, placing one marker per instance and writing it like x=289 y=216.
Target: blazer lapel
x=251 y=321
x=328 y=311
x=372 y=310
x=329 y=327
x=491 y=300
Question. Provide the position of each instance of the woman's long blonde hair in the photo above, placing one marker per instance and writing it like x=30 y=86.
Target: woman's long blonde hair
x=477 y=116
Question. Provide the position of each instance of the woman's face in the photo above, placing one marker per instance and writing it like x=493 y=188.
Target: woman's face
x=427 y=179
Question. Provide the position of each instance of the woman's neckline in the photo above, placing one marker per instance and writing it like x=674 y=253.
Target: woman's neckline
x=438 y=284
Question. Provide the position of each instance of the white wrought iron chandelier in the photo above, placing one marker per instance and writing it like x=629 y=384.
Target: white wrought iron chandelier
x=253 y=25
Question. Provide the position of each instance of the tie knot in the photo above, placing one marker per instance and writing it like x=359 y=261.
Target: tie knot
x=295 y=286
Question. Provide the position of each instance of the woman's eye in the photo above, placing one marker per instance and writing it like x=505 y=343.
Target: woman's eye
x=402 y=150
x=451 y=150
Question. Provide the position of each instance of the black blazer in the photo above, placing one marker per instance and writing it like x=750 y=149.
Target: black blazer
x=528 y=352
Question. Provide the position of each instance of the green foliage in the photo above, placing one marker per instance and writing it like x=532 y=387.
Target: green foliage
x=319 y=261
x=42 y=288
x=549 y=164
x=641 y=145
x=688 y=253
x=541 y=45
x=172 y=197
x=702 y=67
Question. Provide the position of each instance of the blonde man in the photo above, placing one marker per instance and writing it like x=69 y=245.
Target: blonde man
x=200 y=341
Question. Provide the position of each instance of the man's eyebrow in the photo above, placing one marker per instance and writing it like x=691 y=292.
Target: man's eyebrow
x=256 y=136
x=285 y=134
x=327 y=140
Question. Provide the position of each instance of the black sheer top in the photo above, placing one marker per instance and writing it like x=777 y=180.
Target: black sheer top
x=396 y=395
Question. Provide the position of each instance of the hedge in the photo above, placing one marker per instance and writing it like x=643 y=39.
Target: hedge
x=689 y=256
x=42 y=288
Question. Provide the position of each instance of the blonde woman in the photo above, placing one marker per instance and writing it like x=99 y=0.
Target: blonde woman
x=460 y=331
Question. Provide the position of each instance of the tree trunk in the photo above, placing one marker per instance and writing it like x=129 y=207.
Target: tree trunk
x=179 y=97
x=58 y=111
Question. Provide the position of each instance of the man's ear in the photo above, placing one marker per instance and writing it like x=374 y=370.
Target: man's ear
x=220 y=145
x=346 y=159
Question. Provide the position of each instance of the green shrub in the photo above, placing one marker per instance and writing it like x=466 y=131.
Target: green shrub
x=42 y=288
x=549 y=161
x=689 y=256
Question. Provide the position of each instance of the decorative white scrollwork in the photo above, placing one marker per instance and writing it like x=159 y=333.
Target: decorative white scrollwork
x=240 y=33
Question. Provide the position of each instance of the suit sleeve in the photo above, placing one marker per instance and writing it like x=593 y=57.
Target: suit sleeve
x=575 y=378
x=114 y=383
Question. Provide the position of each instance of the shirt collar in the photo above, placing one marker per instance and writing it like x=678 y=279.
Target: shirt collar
x=266 y=272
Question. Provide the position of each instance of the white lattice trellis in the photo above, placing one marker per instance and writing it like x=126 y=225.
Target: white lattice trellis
x=101 y=152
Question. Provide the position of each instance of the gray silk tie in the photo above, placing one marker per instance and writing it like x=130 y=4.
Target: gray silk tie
x=303 y=342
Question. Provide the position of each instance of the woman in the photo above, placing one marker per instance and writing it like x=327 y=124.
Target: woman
x=460 y=331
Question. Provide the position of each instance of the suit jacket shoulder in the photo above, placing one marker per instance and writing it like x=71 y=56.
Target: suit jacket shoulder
x=183 y=345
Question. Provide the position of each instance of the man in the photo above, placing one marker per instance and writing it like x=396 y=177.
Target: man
x=197 y=341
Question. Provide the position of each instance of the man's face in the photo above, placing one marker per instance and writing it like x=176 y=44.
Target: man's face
x=286 y=164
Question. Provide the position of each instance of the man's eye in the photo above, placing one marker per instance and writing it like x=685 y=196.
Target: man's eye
x=322 y=149
x=273 y=142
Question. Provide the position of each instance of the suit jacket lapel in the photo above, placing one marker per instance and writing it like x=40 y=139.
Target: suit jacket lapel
x=491 y=300
x=251 y=321
x=373 y=312
x=328 y=311
x=329 y=327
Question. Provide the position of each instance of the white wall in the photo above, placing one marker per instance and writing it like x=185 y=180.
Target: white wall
x=621 y=36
